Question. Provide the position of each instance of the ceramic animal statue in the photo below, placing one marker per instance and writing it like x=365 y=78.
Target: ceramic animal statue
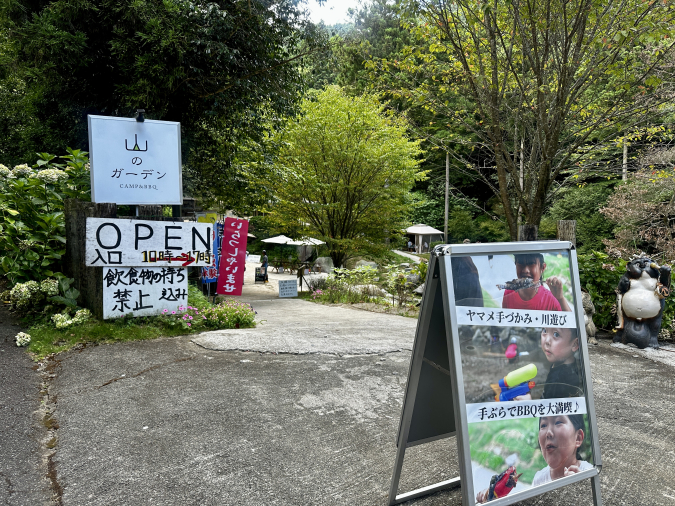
x=640 y=301
x=589 y=311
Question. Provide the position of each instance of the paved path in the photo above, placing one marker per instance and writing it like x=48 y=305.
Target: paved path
x=23 y=471
x=170 y=422
x=412 y=257
x=297 y=326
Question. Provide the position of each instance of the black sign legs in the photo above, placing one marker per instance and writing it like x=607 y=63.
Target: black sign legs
x=428 y=413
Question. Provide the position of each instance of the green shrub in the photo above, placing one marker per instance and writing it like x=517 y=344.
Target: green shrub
x=339 y=287
x=599 y=274
x=32 y=229
x=229 y=314
x=397 y=283
x=197 y=298
x=421 y=270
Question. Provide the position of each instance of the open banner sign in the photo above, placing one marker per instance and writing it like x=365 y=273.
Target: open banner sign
x=138 y=243
x=500 y=357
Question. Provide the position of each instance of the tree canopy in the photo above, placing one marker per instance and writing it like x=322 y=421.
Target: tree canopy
x=537 y=84
x=227 y=70
x=344 y=170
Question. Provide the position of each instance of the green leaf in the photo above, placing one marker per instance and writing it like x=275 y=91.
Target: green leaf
x=64 y=300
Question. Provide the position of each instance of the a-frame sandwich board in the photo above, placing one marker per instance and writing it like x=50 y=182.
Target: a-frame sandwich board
x=428 y=412
x=434 y=406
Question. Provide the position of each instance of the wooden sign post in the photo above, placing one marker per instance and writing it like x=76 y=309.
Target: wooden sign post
x=500 y=361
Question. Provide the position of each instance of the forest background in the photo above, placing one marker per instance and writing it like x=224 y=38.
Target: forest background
x=474 y=86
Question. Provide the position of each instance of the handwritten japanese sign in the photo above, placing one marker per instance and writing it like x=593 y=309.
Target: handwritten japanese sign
x=135 y=162
x=233 y=259
x=143 y=291
x=133 y=243
x=288 y=287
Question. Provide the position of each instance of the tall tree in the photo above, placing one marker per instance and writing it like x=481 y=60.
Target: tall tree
x=225 y=69
x=344 y=169
x=544 y=82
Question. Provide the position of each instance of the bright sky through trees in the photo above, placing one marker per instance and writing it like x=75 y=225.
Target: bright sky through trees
x=332 y=11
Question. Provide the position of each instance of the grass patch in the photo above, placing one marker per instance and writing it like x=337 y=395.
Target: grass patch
x=200 y=316
x=45 y=339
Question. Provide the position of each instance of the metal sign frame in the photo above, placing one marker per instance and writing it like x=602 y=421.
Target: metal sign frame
x=440 y=285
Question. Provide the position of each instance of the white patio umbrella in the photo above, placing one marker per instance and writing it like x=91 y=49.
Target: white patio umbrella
x=279 y=239
x=307 y=241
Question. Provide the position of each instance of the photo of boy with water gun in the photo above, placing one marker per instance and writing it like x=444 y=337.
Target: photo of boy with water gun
x=559 y=346
x=530 y=269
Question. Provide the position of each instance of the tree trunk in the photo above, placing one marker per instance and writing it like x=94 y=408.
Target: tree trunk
x=567 y=231
x=88 y=280
x=447 y=196
x=528 y=232
x=154 y=213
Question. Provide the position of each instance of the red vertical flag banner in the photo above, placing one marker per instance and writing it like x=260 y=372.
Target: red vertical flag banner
x=233 y=257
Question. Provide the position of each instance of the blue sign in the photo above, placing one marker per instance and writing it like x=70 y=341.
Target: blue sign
x=210 y=273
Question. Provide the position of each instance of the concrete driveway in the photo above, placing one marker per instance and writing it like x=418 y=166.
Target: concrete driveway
x=303 y=410
x=309 y=417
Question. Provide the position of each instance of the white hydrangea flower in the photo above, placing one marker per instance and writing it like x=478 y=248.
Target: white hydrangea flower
x=22 y=170
x=51 y=176
x=49 y=287
x=22 y=339
x=82 y=316
x=61 y=320
x=23 y=294
x=4 y=171
x=24 y=291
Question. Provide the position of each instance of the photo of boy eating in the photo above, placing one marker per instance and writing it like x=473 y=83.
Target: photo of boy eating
x=530 y=269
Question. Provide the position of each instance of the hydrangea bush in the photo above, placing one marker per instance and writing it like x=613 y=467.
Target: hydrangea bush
x=63 y=320
x=51 y=176
x=22 y=170
x=32 y=233
x=24 y=296
x=32 y=296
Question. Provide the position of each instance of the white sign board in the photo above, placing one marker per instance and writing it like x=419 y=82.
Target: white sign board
x=135 y=162
x=253 y=258
x=143 y=291
x=288 y=288
x=141 y=243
